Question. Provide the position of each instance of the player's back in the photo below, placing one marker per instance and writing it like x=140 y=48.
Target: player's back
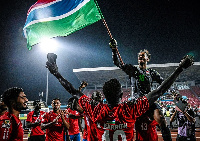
x=117 y=123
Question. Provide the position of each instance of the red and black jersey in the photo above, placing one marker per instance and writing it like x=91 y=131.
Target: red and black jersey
x=90 y=126
x=117 y=123
x=10 y=128
x=146 y=129
x=54 y=132
x=74 y=126
x=35 y=131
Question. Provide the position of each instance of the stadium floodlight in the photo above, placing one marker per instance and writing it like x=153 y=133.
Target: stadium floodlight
x=48 y=45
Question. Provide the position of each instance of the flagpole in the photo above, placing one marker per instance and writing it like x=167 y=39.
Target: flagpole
x=47 y=87
x=108 y=30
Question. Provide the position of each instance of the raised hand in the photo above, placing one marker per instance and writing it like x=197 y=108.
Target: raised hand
x=113 y=43
x=56 y=119
x=180 y=103
x=83 y=85
x=52 y=67
x=187 y=61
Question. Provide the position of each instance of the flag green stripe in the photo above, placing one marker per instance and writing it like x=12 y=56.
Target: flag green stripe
x=87 y=15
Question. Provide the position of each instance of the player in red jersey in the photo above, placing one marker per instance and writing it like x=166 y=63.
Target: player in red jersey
x=10 y=124
x=95 y=99
x=146 y=129
x=115 y=121
x=33 y=121
x=54 y=122
x=73 y=131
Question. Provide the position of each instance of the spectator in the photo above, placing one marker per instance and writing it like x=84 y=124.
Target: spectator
x=186 y=124
x=115 y=118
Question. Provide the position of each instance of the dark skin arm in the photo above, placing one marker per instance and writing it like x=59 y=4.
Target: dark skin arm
x=173 y=116
x=66 y=84
x=155 y=94
x=29 y=124
x=190 y=118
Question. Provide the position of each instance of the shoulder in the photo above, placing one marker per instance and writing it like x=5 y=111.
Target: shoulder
x=30 y=113
x=4 y=117
x=42 y=112
x=152 y=71
x=84 y=99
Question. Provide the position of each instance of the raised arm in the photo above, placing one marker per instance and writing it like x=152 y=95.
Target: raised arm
x=173 y=116
x=186 y=62
x=189 y=117
x=66 y=84
x=115 y=54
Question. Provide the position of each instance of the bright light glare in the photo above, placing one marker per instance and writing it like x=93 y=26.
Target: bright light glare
x=48 y=45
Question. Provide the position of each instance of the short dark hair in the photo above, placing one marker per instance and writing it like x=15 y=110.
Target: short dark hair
x=11 y=94
x=147 y=52
x=56 y=99
x=112 y=90
x=35 y=102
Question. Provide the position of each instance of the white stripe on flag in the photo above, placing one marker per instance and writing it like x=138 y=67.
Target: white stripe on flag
x=45 y=5
x=57 y=17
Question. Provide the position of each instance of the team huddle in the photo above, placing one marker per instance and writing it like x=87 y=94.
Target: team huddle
x=112 y=121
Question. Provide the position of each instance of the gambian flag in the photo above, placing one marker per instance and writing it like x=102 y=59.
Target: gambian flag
x=52 y=18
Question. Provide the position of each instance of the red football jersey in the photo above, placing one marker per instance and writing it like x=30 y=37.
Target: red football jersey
x=10 y=128
x=117 y=123
x=146 y=129
x=91 y=131
x=89 y=123
x=56 y=131
x=74 y=126
x=35 y=131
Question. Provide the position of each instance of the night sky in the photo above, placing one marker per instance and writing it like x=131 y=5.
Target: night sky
x=169 y=29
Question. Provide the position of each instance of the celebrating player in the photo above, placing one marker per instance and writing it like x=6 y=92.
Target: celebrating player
x=115 y=119
x=10 y=124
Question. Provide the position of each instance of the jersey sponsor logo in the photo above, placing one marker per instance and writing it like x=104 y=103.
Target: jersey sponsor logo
x=6 y=124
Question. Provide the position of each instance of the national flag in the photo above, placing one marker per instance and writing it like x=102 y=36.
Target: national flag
x=52 y=18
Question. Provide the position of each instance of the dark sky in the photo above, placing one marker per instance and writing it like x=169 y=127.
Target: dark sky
x=169 y=29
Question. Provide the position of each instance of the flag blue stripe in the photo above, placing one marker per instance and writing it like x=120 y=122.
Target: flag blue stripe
x=56 y=9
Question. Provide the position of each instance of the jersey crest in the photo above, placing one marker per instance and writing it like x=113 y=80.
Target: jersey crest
x=6 y=124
